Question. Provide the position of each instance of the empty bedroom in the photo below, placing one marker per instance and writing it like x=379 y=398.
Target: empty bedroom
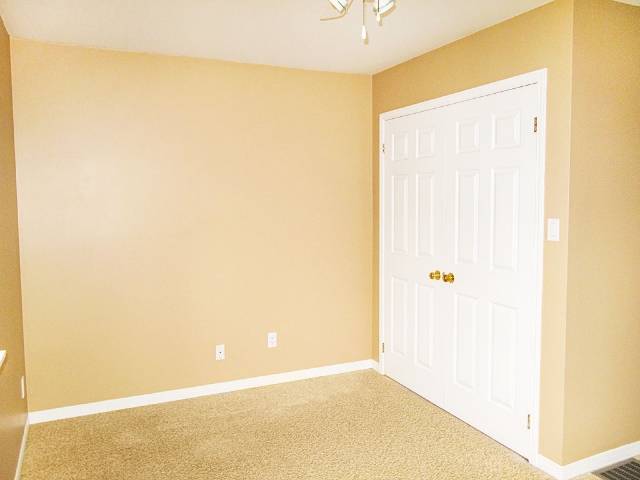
x=320 y=239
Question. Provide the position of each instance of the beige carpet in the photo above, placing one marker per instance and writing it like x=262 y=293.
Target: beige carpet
x=353 y=426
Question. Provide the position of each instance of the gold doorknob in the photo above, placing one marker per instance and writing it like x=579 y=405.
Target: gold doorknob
x=448 y=277
x=435 y=275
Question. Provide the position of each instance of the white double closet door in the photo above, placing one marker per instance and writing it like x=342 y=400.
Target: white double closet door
x=459 y=196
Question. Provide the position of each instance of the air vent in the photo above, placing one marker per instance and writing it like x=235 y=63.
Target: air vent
x=629 y=470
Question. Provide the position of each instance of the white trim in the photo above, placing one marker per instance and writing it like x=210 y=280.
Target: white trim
x=539 y=78
x=590 y=464
x=193 y=392
x=539 y=262
x=549 y=467
x=381 y=229
x=375 y=366
x=519 y=81
x=3 y=355
x=23 y=448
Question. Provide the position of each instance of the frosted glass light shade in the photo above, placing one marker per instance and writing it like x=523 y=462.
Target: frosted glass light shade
x=339 y=5
x=385 y=5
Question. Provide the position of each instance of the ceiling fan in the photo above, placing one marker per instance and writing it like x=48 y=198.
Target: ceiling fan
x=341 y=7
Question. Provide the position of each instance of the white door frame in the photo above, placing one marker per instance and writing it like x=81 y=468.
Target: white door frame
x=539 y=78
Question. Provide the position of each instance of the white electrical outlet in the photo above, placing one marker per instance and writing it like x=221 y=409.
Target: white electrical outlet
x=219 y=352
x=22 y=386
x=272 y=340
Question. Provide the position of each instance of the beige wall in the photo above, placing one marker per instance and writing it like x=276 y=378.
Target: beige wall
x=538 y=39
x=170 y=204
x=13 y=409
x=602 y=401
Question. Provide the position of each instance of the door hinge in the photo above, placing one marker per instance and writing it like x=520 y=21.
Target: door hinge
x=535 y=124
x=528 y=422
x=383 y=148
x=383 y=348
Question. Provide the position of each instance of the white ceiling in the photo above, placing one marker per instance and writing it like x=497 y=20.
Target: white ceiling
x=285 y=33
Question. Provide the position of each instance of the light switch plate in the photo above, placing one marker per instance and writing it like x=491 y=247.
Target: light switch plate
x=553 y=229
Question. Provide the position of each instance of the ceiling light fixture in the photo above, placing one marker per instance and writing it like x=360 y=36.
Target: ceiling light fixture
x=364 y=29
x=380 y=7
x=340 y=5
x=383 y=6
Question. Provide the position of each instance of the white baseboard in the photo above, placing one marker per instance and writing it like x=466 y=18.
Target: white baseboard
x=550 y=467
x=193 y=392
x=23 y=448
x=590 y=464
x=375 y=365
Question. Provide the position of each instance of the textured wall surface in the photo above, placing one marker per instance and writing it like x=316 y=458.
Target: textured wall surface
x=13 y=408
x=602 y=401
x=170 y=204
